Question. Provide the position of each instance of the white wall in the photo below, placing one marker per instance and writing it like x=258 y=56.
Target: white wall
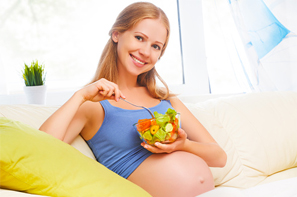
x=52 y=98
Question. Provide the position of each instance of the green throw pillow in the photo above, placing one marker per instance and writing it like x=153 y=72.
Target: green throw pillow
x=35 y=162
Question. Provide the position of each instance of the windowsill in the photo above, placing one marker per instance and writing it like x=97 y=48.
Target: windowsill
x=59 y=97
x=53 y=97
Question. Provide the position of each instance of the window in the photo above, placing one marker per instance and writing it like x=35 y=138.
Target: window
x=68 y=37
x=220 y=35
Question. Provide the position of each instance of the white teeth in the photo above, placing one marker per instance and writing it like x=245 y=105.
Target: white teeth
x=138 y=60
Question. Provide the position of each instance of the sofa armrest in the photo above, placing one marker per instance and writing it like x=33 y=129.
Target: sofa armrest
x=35 y=115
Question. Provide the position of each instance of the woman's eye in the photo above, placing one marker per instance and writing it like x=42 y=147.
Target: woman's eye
x=156 y=47
x=138 y=38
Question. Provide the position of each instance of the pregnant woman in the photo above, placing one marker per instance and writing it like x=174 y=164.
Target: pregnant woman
x=126 y=70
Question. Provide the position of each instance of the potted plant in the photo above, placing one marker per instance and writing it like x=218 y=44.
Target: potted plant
x=34 y=78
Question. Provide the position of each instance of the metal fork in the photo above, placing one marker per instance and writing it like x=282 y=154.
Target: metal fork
x=140 y=107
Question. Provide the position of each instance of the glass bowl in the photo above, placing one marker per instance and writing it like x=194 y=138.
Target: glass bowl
x=157 y=130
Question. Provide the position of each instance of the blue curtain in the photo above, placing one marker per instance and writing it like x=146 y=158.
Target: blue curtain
x=270 y=45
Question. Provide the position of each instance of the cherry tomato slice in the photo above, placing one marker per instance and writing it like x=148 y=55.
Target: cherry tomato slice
x=143 y=124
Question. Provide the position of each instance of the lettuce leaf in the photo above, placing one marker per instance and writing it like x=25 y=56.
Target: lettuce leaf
x=162 y=120
x=172 y=113
x=161 y=134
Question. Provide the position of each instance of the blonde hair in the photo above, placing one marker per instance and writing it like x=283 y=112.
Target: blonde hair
x=131 y=15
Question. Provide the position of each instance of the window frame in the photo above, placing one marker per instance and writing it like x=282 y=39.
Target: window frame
x=193 y=54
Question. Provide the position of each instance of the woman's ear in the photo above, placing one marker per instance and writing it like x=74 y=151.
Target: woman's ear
x=115 y=36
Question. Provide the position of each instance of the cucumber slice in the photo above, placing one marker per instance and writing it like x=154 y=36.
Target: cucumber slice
x=168 y=127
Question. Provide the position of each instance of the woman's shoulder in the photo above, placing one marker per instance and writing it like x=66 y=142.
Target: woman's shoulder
x=173 y=98
x=89 y=108
x=176 y=102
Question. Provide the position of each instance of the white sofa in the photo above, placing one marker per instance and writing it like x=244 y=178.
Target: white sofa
x=258 y=131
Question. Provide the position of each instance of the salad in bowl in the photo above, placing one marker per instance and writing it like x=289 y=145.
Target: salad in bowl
x=163 y=128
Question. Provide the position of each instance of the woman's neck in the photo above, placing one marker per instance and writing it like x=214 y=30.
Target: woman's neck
x=127 y=82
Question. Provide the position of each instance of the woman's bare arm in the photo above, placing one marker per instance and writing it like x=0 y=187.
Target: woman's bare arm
x=59 y=122
x=69 y=120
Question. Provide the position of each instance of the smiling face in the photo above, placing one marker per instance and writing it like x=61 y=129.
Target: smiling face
x=139 y=48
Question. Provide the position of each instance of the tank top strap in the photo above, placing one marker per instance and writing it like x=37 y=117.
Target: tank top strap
x=106 y=105
x=109 y=108
x=168 y=101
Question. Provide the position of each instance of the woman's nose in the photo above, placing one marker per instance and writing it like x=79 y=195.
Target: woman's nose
x=145 y=50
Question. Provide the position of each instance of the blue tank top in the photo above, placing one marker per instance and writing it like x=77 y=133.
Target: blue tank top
x=116 y=144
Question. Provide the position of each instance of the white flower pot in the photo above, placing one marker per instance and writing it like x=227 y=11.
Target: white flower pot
x=35 y=94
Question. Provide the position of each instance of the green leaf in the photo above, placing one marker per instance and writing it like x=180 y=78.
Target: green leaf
x=34 y=75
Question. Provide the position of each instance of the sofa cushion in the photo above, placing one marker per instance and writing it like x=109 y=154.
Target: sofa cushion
x=280 y=188
x=258 y=131
x=35 y=115
x=13 y=193
x=35 y=162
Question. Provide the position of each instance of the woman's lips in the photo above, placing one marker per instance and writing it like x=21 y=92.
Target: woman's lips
x=137 y=61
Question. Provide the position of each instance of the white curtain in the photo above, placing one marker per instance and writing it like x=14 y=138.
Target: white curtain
x=268 y=30
x=3 y=88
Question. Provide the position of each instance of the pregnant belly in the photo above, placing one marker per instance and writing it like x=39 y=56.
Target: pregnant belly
x=175 y=174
